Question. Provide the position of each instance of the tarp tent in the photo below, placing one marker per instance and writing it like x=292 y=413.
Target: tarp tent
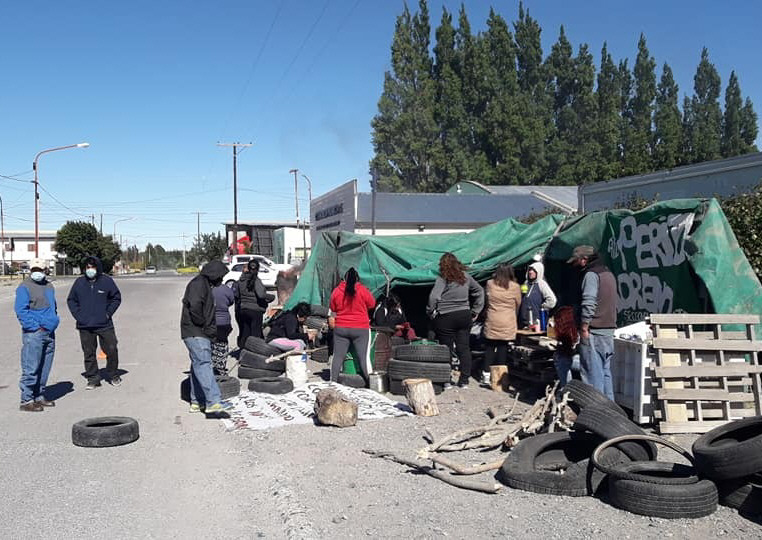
x=678 y=255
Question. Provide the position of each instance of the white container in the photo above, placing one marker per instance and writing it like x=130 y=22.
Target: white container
x=296 y=368
x=632 y=379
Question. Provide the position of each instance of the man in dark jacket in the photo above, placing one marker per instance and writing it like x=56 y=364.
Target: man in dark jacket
x=198 y=328
x=597 y=319
x=93 y=300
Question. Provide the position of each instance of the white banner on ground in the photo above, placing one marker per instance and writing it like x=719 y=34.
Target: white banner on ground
x=258 y=411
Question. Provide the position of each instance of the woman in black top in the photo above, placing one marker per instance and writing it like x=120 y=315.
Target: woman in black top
x=286 y=329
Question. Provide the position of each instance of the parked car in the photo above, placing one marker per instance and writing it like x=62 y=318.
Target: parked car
x=266 y=274
x=263 y=261
x=150 y=269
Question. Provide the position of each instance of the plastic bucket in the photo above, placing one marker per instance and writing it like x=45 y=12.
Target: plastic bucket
x=351 y=362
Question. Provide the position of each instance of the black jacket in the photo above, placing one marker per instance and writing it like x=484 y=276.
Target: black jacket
x=93 y=302
x=197 y=319
x=286 y=325
x=251 y=294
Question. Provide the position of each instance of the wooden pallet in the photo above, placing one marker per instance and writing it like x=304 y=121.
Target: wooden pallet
x=705 y=375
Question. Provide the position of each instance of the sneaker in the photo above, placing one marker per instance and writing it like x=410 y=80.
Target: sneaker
x=486 y=378
x=46 y=402
x=92 y=385
x=194 y=408
x=31 y=406
x=463 y=382
x=215 y=408
x=116 y=381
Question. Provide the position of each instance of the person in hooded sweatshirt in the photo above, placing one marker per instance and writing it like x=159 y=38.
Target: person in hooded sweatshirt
x=198 y=328
x=36 y=310
x=539 y=296
x=93 y=300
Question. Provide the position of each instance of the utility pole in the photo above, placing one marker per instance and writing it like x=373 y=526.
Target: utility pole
x=235 y=146
x=296 y=201
x=101 y=229
x=2 y=233
x=373 y=183
x=198 y=227
x=309 y=212
x=183 y=250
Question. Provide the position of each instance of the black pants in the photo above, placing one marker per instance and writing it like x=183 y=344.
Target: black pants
x=455 y=328
x=250 y=325
x=89 y=340
x=495 y=353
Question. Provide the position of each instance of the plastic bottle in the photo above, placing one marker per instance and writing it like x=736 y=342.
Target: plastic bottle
x=543 y=320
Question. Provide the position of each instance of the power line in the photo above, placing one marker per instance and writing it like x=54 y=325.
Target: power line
x=62 y=204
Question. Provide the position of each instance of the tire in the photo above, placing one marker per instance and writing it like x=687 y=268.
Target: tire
x=405 y=369
x=185 y=390
x=319 y=310
x=320 y=355
x=663 y=500
x=731 y=451
x=105 y=431
x=254 y=373
x=396 y=387
x=396 y=341
x=583 y=395
x=607 y=424
x=431 y=354
x=260 y=346
x=534 y=464
x=744 y=494
x=351 y=380
x=271 y=385
x=229 y=386
x=259 y=361
x=316 y=323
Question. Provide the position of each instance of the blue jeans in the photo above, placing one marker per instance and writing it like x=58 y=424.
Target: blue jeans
x=595 y=355
x=203 y=386
x=37 y=350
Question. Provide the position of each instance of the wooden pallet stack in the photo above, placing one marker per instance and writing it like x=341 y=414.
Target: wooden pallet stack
x=707 y=371
x=531 y=360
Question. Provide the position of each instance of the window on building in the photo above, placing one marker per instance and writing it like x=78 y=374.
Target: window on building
x=30 y=248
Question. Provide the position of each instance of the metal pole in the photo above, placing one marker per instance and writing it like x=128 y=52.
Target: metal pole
x=296 y=203
x=2 y=233
x=373 y=180
x=235 y=189
x=309 y=208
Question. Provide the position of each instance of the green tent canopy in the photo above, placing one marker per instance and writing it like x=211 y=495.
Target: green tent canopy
x=673 y=256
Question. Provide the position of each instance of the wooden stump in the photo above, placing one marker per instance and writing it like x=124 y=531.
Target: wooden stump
x=332 y=409
x=498 y=378
x=420 y=396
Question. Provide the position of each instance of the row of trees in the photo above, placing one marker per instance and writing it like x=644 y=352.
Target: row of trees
x=491 y=107
x=79 y=239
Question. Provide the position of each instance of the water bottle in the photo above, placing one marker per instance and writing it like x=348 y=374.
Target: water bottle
x=543 y=320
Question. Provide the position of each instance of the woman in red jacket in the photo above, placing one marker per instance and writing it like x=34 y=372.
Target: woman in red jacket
x=351 y=301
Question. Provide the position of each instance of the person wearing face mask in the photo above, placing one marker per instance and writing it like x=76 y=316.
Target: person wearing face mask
x=93 y=300
x=198 y=328
x=36 y=310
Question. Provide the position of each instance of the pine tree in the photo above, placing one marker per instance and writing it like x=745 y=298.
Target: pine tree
x=667 y=142
x=749 y=130
x=705 y=106
x=561 y=81
x=624 y=78
x=607 y=126
x=687 y=151
x=638 y=156
x=732 y=144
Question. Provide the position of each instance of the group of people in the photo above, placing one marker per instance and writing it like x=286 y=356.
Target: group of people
x=92 y=301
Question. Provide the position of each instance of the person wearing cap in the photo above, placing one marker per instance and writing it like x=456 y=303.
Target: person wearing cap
x=597 y=319
x=36 y=310
x=93 y=300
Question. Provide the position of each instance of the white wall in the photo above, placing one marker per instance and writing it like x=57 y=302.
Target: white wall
x=24 y=244
x=394 y=232
x=293 y=242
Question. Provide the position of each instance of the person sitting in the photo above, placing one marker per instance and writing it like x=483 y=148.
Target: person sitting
x=286 y=329
x=389 y=314
x=539 y=296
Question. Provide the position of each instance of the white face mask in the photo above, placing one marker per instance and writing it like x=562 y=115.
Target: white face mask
x=90 y=273
x=37 y=276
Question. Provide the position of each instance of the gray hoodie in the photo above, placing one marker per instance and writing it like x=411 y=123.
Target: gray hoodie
x=450 y=296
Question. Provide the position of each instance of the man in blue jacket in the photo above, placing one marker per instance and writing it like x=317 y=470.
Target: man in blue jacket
x=93 y=300
x=35 y=308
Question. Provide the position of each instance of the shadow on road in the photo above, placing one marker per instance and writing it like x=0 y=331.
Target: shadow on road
x=59 y=390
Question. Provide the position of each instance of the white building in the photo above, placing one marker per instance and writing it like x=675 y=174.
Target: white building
x=18 y=247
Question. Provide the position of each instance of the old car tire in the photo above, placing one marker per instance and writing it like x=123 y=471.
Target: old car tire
x=320 y=355
x=229 y=386
x=105 y=431
x=743 y=494
x=271 y=385
x=185 y=389
x=254 y=373
x=429 y=353
x=584 y=395
x=316 y=322
x=534 y=464
x=733 y=450
x=319 y=310
x=607 y=424
x=259 y=361
x=664 y=500
x=260 y=346
x=406 y=369
x=352 y=380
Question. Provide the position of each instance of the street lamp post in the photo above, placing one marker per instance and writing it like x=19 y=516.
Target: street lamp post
x=2 y=234
x=36 y=193
x=119 y=221
x=309 y=213
x=296 y=202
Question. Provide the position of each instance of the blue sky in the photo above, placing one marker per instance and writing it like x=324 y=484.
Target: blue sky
x=153 y=86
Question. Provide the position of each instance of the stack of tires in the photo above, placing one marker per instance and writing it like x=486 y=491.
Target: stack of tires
x=419 y=361
x=266 y=375
x=318 y=320
x=731 y=456
x=229 y=387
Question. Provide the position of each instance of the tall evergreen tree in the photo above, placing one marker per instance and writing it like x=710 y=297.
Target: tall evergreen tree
x=667 y=142
x=749 y=130
x=624 y=78
x=732 y=144
x=587 y=154
x=688 y=152
x=638 y=156
x=561 y=84
x=607 y=126
x=705 y=107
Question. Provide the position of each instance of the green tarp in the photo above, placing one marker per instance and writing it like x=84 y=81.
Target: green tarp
x=673 y=256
